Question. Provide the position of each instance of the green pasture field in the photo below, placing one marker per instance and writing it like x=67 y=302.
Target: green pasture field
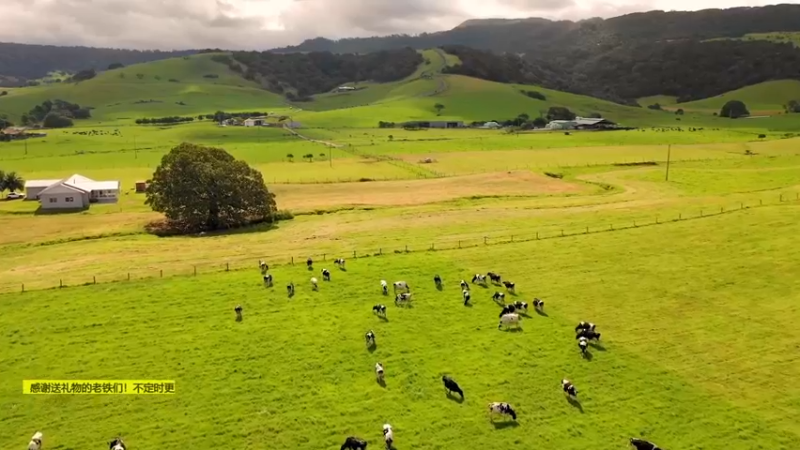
x=766 y=98
x=663 y=100
x=784 y=37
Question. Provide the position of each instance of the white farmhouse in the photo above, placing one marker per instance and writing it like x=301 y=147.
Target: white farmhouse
x=74 y=192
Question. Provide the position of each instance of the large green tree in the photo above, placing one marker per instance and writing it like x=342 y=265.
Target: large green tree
x=204 y=188
x=734 y=109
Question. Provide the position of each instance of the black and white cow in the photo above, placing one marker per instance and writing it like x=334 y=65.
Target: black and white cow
x=379 y=371
x=521 y=306
x=538 y=304
x=507 y=309
x=585 y=326
x=569 y=388
x=465 y=294
x=479 y=279
x=36 y=441
x=268 y=280
x=437 y=280
x=354 y=443
x=401 y=286
x=509 y=286
x=290 y=289
x=588 y=334
x=496 y=279
x=451 y=386
x=339 y=262
x=370 y=338
x=384 y=287
x=263 y=266
x=379 y=310
x=641 y=444
x=464 y=285
x=583 y=344
x=238 y=310
x=402 y=298
x=501 y=408
x=326 y=275
x=116 y=444
x=499 y=297
x=388 y=436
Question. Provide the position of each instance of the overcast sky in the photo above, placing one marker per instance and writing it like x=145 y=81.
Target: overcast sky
x=265 y=24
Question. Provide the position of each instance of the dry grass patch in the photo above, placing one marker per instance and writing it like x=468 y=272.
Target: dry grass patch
x=418 y=192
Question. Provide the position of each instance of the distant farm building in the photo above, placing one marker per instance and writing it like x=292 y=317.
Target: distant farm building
x=75 y=192
x=345 y=88
x=434 y=124
x=255 y=121
x=492 y=125
x=16 y=133
x=141 y=187
x=581 y=123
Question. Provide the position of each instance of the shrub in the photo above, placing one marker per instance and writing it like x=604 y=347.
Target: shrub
x=211 y=75
x=655 y=107
x=534 y=94
x=55 y=120
x=734 y=109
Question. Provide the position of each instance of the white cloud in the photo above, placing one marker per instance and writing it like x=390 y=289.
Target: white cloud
x=263 y=24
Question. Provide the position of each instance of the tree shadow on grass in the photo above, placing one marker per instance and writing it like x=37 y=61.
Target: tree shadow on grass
x=372 y=348
x=383 y=318
x=468 y=305
x=575 y=403
x=53 y=212
x=505 y=424
x=439 y=287
x=162 y=228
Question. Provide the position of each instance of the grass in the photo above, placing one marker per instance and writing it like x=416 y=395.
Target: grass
x=783 y=37
x=766 y=98
x=663 y=100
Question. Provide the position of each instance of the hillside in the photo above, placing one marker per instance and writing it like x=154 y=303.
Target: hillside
x=22 y=62
x=767 y=98
x=189 y=85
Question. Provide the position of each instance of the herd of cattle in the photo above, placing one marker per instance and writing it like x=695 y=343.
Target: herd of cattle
x=509 y=316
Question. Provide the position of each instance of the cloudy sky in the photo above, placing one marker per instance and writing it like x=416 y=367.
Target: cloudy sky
x=264 y=24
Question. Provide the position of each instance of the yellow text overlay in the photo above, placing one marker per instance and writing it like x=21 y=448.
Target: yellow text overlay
x=74 y=387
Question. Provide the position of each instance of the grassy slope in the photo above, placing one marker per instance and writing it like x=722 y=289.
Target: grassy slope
x=114 y=97
x=791 y=37
x=663 y=100
x=676 y=364
x=764 y=98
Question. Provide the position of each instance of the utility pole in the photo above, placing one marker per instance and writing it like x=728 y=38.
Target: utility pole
x=669 y=152
x=135 y=152
x=330 y=155
x=26 y=147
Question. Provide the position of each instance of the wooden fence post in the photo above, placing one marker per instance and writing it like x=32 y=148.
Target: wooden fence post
x=512 y=238
x=656 y=219
x=760 y=202
x=292 y=260
x=459 y=244
x=537 y=235
x=60 y=283
x=324 y=256
x=741 y=205
x=611 y=227
x=484 y=240
x=562 y=232
x=161 y=273
x=354 y=253
x=701 y=213
x=23 y=287
x=587 y=230
x=94 y=279
x=721 y=209
x=781 y=197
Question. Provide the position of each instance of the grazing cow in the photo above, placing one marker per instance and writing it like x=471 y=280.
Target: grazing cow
x=499 y=297
x=479 y=279
x=509 y=286
x=465 y=294
x=496 y=279
x=379 y=310
x=36 y=441
x=437 y=280
x=451 y=386
x=388 y=435
x=310 y=263
x=379 y=371
x=326 y=275
x=583 y=343
x=314 y=285
x=370 y=337
x=404 y=297
x=354 y=443
x=290 y=288
x=508 y=320
x=538 y=304
x=585 y=326
x=508 y=309
x=238 y=311
x=263 y=266
x=521 y=306
x=116 y=444
x=385 y=287
x=401 y=286
x=339 y=262
x=588 y=334
x=464 y=285
x=569 y=388
x=268 y=280
x=641 y=444
x=501 y=408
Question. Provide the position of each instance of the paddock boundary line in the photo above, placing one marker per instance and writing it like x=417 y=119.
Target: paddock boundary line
x=249 y=262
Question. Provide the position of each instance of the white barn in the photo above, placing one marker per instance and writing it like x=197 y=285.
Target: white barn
x=74 y=192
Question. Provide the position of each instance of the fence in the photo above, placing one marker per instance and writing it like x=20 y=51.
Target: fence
x=276 y=260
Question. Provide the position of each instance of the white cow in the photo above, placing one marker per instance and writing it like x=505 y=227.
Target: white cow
x=508 y=320
x=36 y=441
x=385 y=287
x=379 y=371
x=388 y=435
x=401 y=286
x=314 y=285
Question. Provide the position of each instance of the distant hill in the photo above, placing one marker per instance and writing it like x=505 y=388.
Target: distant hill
x=22 y=62
x=622 y=58
x=764 y=98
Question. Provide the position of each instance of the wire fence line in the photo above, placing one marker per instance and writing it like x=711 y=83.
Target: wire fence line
x=249 y=262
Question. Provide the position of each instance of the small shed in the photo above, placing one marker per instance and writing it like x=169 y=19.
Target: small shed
x=141 y=187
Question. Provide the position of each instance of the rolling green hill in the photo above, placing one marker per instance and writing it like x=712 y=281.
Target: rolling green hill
x=762 y=98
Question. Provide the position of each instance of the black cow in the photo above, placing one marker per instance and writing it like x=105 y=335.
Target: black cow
x=508 y=309
x=379 y=310
x=521 y=306
x=268 y=280
x=290 y=288
x=496 y=279
x=465 y=294
x=569 y=388
x=585 y=326
x=354 y=443
x=465 y=285
x=238 y=309
x=588 y=334
x=478 y=278
x=326 y=274
x=117 y=444
x=641 y=444
x=370 y=338
x=437 y=280
x=509 y=286
x=310 y=263
x=452 y=386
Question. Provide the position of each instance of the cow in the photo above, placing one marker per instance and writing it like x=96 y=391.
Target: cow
x=508 y=320
x=388 y=435
x=501 y=408
x=263 y=266
x=451 y=386
x=538 y=304
x=499 y=297
x=326 y=275
x=479 y=279
x=384 y=287
x=585 y=326
x=465 y=294
x=379 y=310
x=268 y=280
x=583 y=343
x=370 y=338
x=339 y=262
x=404 y=297
x=290 y=289
x=496 y=279
x=464 y=285
x=508 y=309
x=116 y=444
x=379 y=371
x=36 y=441
x=401 y=286
x=354 y=443
x=238 y=311
x=509 y=286
x=641 y=444
x=569 y=388
x=437 y=280
x=588 y=334
x=310 y=264
x=314 y=284
x=521 y=306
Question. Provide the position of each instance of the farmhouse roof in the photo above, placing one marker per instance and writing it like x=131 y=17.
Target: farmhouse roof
x=78 y=179
x=64 y=187
x=590 y=121
x=40 y=183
